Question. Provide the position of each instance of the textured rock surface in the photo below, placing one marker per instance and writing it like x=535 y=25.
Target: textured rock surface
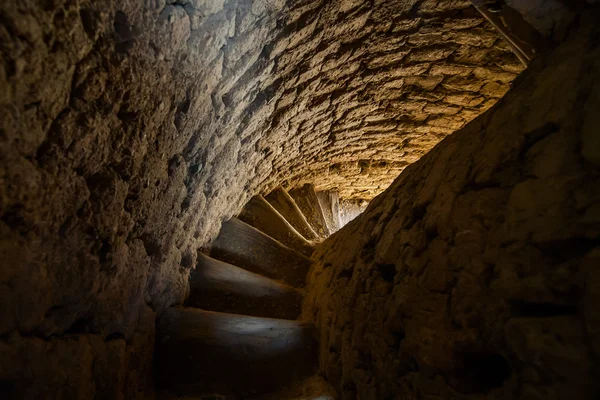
x=129 y=130
x=350 y=209
x=79 y=365
x=475 y=275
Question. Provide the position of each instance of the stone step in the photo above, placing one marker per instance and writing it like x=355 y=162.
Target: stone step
x=201 y=350
x=307 y=201
x=330 y=204
x=246 y=247
x=218 y=286
x=286 y=206
x=263 y=216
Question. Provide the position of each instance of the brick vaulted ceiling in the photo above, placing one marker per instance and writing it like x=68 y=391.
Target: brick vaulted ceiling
x=368 y=87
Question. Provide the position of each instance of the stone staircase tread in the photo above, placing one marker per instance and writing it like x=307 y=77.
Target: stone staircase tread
x=219 y=286
x=247 y=247
x=260 y=214
x=306 y=199
x=286 y=206
x=197 y=349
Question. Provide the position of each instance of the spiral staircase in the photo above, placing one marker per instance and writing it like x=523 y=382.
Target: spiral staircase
x=239 y=335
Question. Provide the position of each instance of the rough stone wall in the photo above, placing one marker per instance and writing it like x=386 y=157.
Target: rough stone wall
x=130 y=129
x=350 y=209
x=476 y=274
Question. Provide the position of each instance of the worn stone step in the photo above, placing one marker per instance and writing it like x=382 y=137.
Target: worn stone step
x=286 y=206
x=330 y=204
x=263 y=216
x=198 y=350
x=219 y=286
x=246 y=247
x=307 y=201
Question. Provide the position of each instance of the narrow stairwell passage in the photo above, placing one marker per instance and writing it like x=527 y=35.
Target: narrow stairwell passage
x=131 y=130
x=239 y=337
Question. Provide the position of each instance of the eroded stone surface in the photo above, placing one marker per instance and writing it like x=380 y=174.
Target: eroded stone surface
x=475 y=274
x=350 y=209
x=79 y=365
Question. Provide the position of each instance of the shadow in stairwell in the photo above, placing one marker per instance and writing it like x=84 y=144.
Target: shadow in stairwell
x=202 y=350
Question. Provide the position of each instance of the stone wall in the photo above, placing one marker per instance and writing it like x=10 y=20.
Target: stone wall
x=350 y=209
x=130 y=129
x=476 y=274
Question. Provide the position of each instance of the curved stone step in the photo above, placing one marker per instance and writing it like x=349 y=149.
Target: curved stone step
x=330 y=204
x=245 y=246
x=218 y=286
x=286 y=206
x=199 y=349
x=260 y=214
x=307 y=201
